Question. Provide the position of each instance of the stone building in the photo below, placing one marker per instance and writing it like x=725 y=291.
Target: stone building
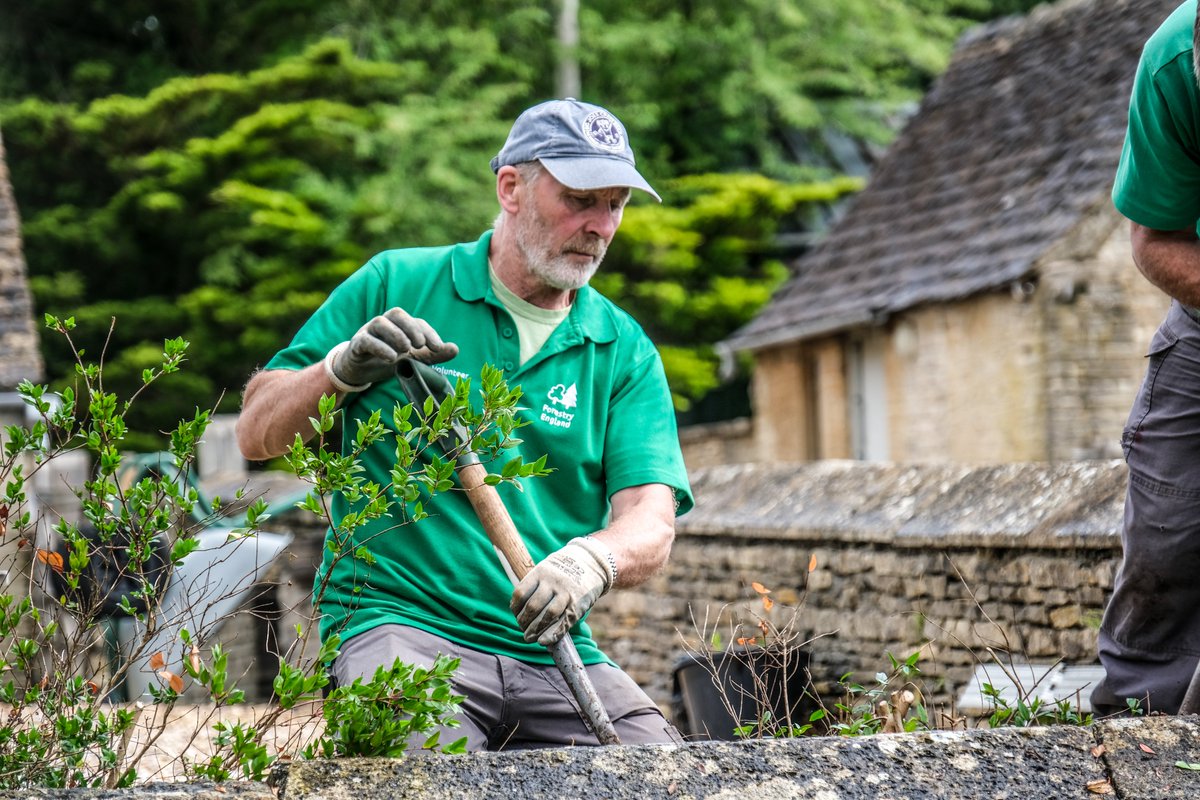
x=977 y=302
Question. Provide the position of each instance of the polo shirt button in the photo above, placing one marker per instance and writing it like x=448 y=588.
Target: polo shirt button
x=508 y=332
x=508 y=365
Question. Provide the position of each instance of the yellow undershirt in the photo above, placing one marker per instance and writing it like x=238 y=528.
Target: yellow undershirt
x=534 y=324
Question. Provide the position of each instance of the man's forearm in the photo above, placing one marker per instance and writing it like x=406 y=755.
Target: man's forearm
x=640 y=532
x=1170 y=260
x=277 y=405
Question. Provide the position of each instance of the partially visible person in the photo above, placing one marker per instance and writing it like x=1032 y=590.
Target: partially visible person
x=598 y=406
x=1150 y=635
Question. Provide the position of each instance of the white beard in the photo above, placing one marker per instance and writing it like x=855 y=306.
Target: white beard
x=557 y=269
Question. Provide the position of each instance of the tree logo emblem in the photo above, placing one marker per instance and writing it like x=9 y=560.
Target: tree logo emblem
x=564 y=396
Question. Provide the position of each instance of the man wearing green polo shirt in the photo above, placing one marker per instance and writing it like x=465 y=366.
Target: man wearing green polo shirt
x=597 y=402
x=1150 y=636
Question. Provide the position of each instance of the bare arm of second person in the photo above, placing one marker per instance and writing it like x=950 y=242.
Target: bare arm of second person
x=1170 y=260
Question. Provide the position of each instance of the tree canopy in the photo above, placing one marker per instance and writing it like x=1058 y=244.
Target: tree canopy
x=213 y=168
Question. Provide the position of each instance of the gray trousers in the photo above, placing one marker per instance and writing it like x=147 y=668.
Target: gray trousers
x=1150 y=636
x=510 y=705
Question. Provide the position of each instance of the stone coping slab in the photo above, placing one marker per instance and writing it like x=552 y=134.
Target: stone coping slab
x=1127 y=759
x=1130 y=759
x=1052 y=506
x=235 y=790
x=1142 y=756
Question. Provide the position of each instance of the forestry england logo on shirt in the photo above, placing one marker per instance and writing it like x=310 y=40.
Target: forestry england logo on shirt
x=563 y=396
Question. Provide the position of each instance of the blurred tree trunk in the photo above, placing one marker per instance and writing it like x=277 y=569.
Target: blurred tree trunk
x=569 y=84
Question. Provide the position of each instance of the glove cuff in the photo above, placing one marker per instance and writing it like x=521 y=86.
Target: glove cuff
x=337 y=382
x=603 y=556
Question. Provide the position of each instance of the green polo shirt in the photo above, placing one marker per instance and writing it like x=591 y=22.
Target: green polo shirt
x=598 y=405
x=1158 y=179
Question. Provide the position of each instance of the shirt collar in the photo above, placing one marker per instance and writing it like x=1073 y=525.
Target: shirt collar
x=591 y=315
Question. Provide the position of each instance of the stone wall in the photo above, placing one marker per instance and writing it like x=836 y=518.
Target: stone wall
x=945 y=559
x=711 y=444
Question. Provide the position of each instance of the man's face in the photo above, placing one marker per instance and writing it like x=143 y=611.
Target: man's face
x=564 y=233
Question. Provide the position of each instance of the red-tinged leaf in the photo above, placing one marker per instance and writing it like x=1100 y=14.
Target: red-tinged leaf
x=22 y=543
x=758 y=587
x=93 y=687
x=812 y=562
x=1098 y=751
x=742 y=641
x=194 y=658
x=1145 y=748
x=174 y=680
x=52 y=559
x=762 y=626
x=1101 y=786
x=157 y=661
x=768 y=603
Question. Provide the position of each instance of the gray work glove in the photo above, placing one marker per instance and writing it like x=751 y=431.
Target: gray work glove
x=561 y=589
x=372 y=353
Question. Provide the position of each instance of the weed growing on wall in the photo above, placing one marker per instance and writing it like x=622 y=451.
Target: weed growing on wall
x=760 y=674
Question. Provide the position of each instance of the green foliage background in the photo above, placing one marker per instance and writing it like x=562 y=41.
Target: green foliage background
x=212 y=168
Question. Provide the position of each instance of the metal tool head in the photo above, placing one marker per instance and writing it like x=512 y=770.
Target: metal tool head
x=419 y=381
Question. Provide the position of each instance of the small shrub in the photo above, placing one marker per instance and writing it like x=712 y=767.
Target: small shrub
x=379 y=717
x=58 y=668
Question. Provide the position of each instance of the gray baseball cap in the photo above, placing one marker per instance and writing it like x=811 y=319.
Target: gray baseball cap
x=583 y=146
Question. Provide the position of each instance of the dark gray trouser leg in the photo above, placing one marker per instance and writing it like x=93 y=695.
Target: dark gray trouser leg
x=510 y=704
x=1150 y=636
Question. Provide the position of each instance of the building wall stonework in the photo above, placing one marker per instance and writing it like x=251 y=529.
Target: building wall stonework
x=965 y=381
x=1042 y=371
x=778 y=396
x=1100 y=314
x=710 y=444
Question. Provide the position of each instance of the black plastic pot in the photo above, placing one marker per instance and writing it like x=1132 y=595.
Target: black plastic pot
x=747 y=682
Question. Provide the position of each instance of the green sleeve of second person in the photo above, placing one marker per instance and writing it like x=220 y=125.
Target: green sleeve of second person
x=1158 y=179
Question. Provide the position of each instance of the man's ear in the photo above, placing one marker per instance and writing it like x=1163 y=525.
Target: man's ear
x=508 y=189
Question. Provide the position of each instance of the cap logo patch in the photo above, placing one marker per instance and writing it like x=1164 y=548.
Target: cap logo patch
x=603 y=131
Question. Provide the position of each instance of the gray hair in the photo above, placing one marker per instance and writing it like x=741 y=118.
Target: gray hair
x=530 y=172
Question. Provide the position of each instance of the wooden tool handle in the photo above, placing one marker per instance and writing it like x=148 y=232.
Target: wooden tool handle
x=495 y=519
x=503 y=534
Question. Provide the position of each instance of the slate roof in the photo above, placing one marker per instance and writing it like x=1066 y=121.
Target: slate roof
x=19 y=356
x=1011 y=148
